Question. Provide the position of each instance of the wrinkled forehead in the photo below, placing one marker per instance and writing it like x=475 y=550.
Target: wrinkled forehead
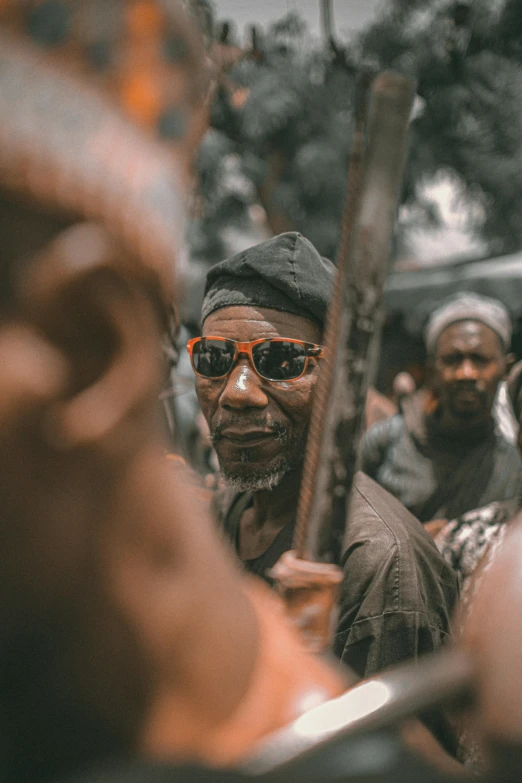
x=241 y=322
x=469 y=335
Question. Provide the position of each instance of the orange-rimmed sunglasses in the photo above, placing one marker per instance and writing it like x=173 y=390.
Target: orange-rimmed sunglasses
x=274 y=358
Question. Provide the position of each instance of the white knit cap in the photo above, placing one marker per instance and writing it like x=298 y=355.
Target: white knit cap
x=467 y=306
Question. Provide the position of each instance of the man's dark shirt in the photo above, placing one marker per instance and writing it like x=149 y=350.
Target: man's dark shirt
x=398 y=593
x=436 y=474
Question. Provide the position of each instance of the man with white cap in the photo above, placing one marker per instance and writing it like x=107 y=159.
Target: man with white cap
x=443 y=455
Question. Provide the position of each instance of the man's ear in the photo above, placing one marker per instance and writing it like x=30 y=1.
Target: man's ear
x=92 y=306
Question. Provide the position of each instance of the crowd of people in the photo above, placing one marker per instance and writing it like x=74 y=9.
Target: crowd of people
x=141 y=640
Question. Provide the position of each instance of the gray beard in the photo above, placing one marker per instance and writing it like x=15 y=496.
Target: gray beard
x=254 y=479
x=257 y=480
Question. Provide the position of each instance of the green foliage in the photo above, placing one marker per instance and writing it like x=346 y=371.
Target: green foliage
x=290 y=139
x=509 y=34
x=292 y=136
x=471 y=126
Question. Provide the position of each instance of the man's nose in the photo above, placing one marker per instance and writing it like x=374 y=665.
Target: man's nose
x=467 y=370
x=244 y=388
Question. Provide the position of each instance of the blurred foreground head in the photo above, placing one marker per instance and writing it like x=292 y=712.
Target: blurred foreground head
x=81 y=310
x=126 y=630
x=91 y=218
x=492 y=637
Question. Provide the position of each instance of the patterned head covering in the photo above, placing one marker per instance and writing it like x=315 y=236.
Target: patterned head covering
x=141 y=52
x=467 y=306
x=64 y=143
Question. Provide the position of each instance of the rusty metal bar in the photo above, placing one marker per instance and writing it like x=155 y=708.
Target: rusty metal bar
x=374 y=704
x=325 y=380
x=353 y=326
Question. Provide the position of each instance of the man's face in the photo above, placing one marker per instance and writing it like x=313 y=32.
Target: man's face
x=258 y=427
x=469 y=364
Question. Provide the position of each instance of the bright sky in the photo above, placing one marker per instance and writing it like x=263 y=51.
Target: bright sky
x=453 y=238
x=349 y=15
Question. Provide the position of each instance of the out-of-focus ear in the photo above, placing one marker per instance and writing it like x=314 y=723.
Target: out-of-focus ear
x=33 y=374
x=95 y=310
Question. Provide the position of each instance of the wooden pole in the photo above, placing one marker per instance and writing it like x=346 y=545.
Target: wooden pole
x=327 y=20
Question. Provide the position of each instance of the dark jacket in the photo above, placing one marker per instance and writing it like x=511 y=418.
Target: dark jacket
x=398 y=593
x=437 y=476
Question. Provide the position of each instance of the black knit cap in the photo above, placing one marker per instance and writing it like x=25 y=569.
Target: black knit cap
x=284 y=273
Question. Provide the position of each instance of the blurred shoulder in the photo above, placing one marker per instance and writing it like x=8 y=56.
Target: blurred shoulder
x=393 y=425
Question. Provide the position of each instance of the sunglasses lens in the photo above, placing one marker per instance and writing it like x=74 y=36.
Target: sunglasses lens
x=279 y=360
x=213 y=358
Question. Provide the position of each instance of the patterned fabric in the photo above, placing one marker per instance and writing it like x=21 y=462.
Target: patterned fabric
x=139 y=51
x=469 y=545
x=66 y=147
x=64 y=143
x=474 y=539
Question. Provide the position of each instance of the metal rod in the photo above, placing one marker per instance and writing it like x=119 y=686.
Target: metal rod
x=322 y=390
x=374 y=704
x=327 y=19
x=354 y=322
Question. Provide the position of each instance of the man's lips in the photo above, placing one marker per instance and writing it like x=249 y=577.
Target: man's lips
x=467 y=398
x=246 y=437
x=467 y=393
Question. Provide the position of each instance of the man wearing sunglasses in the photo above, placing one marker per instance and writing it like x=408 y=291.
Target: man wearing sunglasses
x=256 y=366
